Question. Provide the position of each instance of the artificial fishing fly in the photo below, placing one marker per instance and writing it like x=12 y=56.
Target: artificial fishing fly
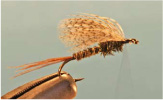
x=81 y=32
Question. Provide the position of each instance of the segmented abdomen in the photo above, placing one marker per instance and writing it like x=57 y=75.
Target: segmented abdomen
x=86 y=53
x=106 y=48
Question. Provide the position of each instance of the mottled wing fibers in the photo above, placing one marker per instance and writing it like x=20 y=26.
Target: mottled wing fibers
x=85 y=30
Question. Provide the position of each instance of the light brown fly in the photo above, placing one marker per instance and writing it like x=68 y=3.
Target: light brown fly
x=81 y=32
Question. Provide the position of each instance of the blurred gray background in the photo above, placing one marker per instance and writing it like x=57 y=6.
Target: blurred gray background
x=29 y=34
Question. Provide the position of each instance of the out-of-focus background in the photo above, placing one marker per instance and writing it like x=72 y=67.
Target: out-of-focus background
x=29 y=34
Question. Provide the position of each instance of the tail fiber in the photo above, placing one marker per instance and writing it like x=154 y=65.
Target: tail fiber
x=39 y=64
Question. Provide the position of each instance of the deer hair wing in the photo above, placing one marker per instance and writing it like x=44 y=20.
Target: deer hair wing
x=85 y=30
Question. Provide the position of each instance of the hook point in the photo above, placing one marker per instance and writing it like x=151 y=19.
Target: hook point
x=79 y=79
